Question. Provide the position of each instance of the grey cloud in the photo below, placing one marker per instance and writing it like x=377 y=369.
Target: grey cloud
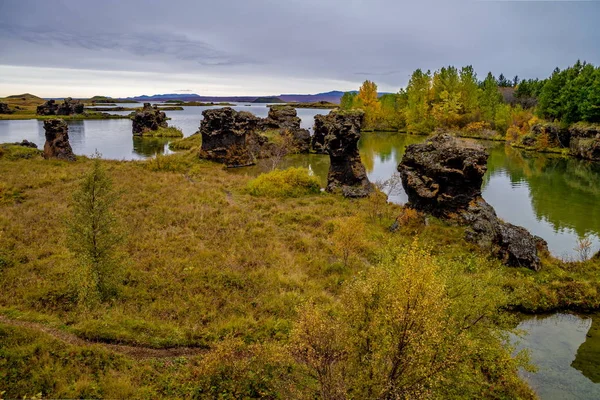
x=311 y=40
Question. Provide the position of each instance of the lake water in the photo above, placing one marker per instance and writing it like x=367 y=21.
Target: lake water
x=566 y=351
x=113 y=137
x=555 y=198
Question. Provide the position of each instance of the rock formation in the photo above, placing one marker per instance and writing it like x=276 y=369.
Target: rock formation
x=57 y=140
x=346 y=174
x=585 y=142
x=320 y=130
x=285 y=119
x=148 y=119
x=23 y=143
x=4 y=109
x=443 y=177
x=68 y=107
x=227 y=136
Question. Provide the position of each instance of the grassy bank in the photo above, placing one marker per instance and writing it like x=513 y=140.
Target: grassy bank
x=169 y=132
x=209 y=262
x=17 y=115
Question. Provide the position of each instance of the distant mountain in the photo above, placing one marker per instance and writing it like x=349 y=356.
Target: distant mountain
x=333 y=97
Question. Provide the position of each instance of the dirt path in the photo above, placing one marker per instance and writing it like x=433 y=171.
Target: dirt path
x=136 y=352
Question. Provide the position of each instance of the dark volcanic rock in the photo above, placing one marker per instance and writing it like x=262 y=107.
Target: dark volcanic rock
x=148 y=119
x=227 y=136
x=585 y=141
x=443 y=177
x=57 y=140
x=285 y=119
x=443 y=174
x=556 y=135
x=320 y=130
x=346 y=174
x=24 y=143
x=4 y=109
x=68 y=107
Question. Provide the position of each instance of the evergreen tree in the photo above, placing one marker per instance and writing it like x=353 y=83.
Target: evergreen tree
x=93 y=236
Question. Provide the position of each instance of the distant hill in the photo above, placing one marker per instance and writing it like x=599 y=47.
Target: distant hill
x=25 y=96
x=268 y=99
x=331 y=97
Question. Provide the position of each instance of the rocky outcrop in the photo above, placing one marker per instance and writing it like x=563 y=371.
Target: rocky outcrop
x=227 y=136
x=320 y=130
x=285 y=120
x=443 y=177
x=148 y=119
x=5 y=109
x=57 y=140
x=67 y=107
x=553 y=135
x=443 y=174
x=23 y=143
x=346 y=174
x=585 y=141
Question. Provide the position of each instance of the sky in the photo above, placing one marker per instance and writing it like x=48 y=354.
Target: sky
x=267 y=47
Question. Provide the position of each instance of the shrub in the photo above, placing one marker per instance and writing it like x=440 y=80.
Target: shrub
x=292 y=182
x=402 y=329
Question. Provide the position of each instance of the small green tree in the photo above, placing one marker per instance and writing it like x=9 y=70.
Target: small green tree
x=93 y=237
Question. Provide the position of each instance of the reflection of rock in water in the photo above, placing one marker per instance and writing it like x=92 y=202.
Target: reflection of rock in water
x=148 y=147
x=587 y=359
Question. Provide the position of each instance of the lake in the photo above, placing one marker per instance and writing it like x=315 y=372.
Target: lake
x=555 y=198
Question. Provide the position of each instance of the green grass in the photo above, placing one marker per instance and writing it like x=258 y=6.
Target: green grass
x=15 y=152
x=188 y=143
x=291 y=182
x=215 y=260
x=171 y=131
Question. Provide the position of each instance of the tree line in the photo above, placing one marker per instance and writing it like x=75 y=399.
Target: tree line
x=456 y=99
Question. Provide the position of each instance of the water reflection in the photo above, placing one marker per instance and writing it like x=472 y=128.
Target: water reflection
x=149 y=147
x=587 y=359
x=553 y=342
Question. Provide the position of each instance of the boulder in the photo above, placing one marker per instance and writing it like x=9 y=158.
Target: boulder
x=148 y=119
x=57 y=140
x=443 y=177
x=585 y=141
x=227 y=136
x=4 y=109
x=346 y=174
x=68 y=107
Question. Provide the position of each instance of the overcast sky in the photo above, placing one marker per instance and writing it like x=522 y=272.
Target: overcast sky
x=259 y=47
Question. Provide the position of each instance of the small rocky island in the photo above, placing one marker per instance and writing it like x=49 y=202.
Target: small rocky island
x=151 y=121
x=67 y=107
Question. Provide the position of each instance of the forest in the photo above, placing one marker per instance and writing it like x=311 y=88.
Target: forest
x=455 y=99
